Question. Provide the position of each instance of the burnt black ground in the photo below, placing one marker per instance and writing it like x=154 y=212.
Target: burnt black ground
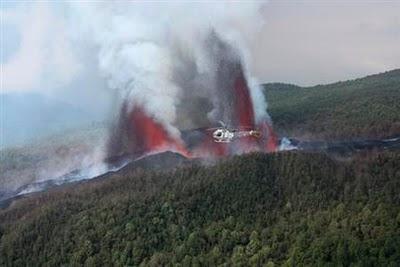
x=347 y=147
x=167 y=160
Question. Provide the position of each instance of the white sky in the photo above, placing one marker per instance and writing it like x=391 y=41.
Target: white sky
x=301 y=42
x=311 y=42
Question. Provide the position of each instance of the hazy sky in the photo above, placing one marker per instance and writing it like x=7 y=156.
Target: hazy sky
x=43 y=50
x=310 y=42
x=301 y=42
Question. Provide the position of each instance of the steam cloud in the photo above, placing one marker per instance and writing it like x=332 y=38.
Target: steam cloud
x=174 y=64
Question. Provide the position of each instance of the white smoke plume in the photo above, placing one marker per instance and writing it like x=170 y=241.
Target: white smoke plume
x=157 y=53
x=161 y=55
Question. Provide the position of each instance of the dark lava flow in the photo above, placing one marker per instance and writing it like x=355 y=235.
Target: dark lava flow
x=167 y=160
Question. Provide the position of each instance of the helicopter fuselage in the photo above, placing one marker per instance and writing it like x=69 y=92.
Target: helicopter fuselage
x=224 y=135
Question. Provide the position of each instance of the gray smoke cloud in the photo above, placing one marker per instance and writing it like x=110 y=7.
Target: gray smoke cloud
x=160 y=55
x=165 y=57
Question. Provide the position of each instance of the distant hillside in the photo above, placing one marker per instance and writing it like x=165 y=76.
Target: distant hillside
x=365 y=107
x=50 y=157
x=283 y=209
x=28 y=116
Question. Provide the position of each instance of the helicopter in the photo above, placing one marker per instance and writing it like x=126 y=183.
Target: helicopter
x=223 y=134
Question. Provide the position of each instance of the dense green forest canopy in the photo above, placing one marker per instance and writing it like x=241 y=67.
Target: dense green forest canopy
x=288 y=208
x=284 y=208
x=367 y=107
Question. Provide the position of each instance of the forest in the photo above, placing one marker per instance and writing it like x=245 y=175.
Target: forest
x=290 y=209
x=367 y=107
x=282 y=209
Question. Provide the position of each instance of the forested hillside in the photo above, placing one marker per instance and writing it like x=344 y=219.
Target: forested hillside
x=282 y=209
x=366 y=107
x=285 y=208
